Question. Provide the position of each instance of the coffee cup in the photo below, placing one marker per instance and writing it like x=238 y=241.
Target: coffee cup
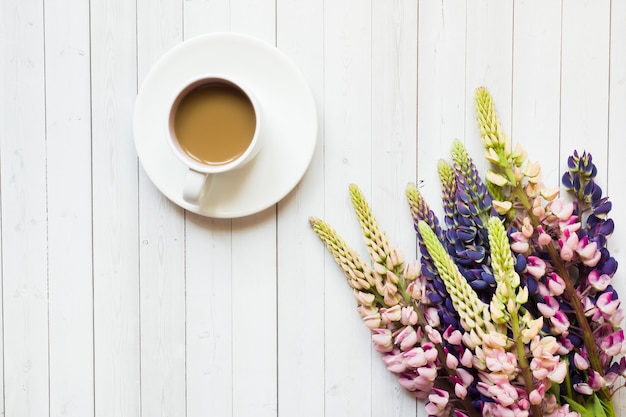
x=213 y=127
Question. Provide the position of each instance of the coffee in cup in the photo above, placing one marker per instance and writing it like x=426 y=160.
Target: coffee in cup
x=213 y=128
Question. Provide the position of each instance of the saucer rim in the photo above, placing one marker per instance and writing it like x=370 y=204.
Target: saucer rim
x=245 y=207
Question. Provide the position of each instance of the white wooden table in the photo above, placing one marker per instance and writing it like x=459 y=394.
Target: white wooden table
x=115 y=302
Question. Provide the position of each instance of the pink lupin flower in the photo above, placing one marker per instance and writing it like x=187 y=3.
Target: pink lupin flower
x=460 y=391
x=394 y=361
x=568 y=243
x=606 y=304
x=438 y=402
x=452 y=336
x=467 y=358
x=365 y=311
x=451 y=361
x=366 y=299
x=589 y=307
x=417 y=290
x=415 y=357
x=412 y=270
x=549 y=307
x=558 y=374
x=428 y=372
x=613 y=344
x=617 y=317
x=527 y=228
x=536 y=266
x=433 y=335
x=432 y=316
x=598 y=281
x=406 y=338
x=556 y=285
x=562 y=411
x=588 y=252
x=391 y=314
x=596 y=381
x=583 y=388
x=536 y=396
x=545 y=362
x=464 y=376
x=610 y=378
x=543 y=237
x=496 y=410
x=520 y=243
x=408 y=384
x=430 y=351
x=382 y=339
x=501 y=361
x=503 y=392
x=372 y=321
x=581 y=362
x=561 y=209
x=408 y=316
x=560 y=323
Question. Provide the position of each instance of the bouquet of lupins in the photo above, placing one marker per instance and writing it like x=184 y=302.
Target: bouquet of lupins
x=510 y=310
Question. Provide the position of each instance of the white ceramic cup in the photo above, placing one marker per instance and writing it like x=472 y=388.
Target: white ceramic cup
x=200 y=175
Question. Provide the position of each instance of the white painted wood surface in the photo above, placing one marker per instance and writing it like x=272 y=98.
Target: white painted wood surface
x=116 y=302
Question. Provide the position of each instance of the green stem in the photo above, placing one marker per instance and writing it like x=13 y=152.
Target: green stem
x=521 y=356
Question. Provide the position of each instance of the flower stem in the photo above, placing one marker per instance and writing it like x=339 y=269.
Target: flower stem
x=523 y=362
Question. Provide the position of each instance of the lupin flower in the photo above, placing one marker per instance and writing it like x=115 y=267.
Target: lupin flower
x=510 y=309
x=392 y=300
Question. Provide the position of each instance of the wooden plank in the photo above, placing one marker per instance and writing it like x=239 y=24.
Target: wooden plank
x=254 y=17
x=585 y=81
x=208 y=266
x=161 y=232
x=70 y=290
x=347 y=159
x=202 y=16
x=394 y=149
x=209 y=317
x=300 y=262
x=24 y=225
x=115 y=208
x=441 y=91
x=536 y=88
x=489 y=60
x=254 y=345
x=616 y=150
x=253 y=271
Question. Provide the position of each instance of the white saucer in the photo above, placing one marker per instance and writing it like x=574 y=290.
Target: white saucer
x=290 y=128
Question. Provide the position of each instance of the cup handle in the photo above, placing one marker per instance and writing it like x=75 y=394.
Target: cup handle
x=195 y=186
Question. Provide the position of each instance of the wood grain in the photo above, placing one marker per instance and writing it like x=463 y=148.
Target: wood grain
x=535 y=122
x=24 y=217
x=441 y=91
x=162 y=247
x=115 y=207
x=68 y=180
x=300 y=256
x=585 y=80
